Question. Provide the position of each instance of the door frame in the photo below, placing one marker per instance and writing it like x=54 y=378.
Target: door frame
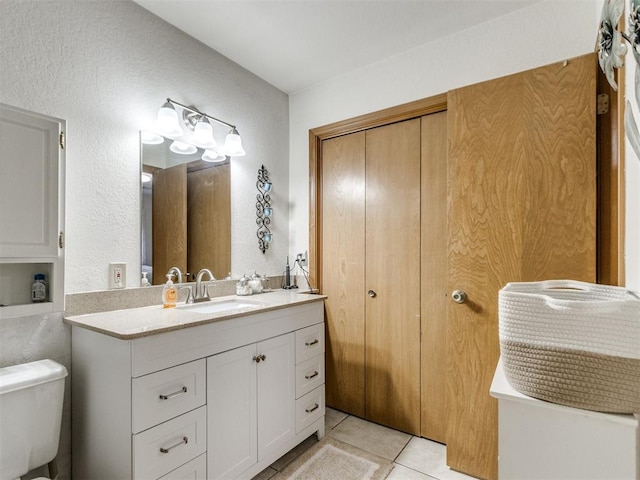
x=406 y=111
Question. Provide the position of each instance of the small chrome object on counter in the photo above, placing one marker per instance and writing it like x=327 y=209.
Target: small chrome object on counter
x=243 y=287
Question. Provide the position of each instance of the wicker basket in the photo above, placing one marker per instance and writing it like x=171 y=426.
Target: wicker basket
x=572 y=343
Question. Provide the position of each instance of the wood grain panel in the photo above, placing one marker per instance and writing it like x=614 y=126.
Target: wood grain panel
x=521 y=206
x=433 y=276
x=169 y=221
x=343 y=216
x=392 y=332
x=209 y=220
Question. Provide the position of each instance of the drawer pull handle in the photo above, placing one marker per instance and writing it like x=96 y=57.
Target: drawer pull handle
x=312 y=409
x=182 y=391
x=184 y=440
x=313 y=375
x=259 y=358
x=311 y=343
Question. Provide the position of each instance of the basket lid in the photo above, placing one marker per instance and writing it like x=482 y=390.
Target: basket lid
x=17 y=377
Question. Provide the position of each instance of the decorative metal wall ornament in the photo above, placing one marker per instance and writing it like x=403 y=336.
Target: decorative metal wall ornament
x=263 y=209
x=611 y=49
x=611 y=52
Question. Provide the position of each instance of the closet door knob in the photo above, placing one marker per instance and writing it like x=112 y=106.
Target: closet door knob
x=459 y=296
x=372 y=293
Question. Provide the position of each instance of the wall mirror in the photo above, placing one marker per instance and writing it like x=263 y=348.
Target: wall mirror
x=186 y=210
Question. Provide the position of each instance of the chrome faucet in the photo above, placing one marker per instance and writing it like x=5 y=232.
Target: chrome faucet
x=178 y=274
x=202 y=292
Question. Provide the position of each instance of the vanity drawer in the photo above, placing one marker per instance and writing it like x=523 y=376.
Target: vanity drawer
x=309 y=375
x=309 y=408
x=196 y=469
x=162 y=395
x=164 y=448
x=309 y=342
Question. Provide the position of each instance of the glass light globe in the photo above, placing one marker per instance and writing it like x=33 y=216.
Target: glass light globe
x=203 y=135
x=167 y=121
x=213 y=156
x=182 y=148
x=233 y=144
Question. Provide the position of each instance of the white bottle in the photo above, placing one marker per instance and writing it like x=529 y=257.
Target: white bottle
x=145 y=281
x=39 y=289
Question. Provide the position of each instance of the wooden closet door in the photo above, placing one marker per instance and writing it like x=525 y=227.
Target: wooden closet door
x=209 y=220
x=521 y=207
x=169 y=221
x=343 y=216
x=434 y=277
x=392 y=289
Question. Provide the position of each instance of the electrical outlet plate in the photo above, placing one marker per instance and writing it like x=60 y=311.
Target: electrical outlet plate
x=302 y=258
x=117 y=275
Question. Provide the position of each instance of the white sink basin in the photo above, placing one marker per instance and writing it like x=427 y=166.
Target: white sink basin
x=222 y=306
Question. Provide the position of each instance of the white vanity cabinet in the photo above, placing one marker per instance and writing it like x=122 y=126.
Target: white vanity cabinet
x=215 y=400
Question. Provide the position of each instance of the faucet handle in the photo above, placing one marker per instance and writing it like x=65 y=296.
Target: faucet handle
x=189 y=294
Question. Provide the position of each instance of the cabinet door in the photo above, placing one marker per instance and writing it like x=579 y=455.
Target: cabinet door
x=29 y=184
x=231 y=405
x=522 y=205
x=276 y=393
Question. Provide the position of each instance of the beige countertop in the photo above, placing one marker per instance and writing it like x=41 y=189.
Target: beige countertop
x=134 y=323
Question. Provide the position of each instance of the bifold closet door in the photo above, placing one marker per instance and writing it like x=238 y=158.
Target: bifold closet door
x=343 y=273
x=392 y=285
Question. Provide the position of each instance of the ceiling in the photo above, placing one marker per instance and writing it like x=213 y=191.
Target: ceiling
x=294 y=44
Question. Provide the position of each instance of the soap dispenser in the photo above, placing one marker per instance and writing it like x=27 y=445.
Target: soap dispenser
x=169 y=293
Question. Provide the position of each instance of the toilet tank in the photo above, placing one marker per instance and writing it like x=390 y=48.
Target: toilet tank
x=31 y=396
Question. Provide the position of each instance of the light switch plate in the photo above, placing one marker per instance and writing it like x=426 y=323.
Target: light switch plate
x=117 y=275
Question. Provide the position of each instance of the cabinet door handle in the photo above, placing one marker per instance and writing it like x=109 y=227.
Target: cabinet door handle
x=263 y=357
x=256 y=358
x=312 y=343
x=184 y=440
x=312 y=409
x=182 y=391
x=313 y=375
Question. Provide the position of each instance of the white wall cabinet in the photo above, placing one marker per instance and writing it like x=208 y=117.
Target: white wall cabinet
x=211 y=401
x=32 y=213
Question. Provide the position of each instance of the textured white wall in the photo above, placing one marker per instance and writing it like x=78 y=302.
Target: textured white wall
x=538 y=35
x=106 y=67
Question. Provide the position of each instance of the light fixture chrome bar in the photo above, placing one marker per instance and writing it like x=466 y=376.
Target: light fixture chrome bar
x=173 y=102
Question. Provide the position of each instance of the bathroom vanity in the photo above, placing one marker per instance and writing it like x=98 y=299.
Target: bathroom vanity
x=214 y=390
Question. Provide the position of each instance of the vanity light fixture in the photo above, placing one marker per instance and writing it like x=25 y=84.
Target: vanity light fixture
x=199 y=123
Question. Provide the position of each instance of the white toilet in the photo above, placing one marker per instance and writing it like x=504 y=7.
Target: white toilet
x=31 y=397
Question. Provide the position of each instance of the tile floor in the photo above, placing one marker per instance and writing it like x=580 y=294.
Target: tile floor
x=413 y=458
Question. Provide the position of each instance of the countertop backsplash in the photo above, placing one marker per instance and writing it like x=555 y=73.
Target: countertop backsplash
x=107 y=300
